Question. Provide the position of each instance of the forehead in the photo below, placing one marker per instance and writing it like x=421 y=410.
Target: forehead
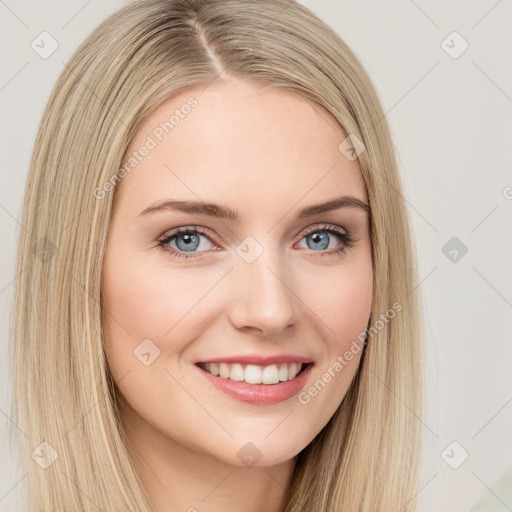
x=241 y=144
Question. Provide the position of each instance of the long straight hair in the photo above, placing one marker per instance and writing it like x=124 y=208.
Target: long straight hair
x=74 y=450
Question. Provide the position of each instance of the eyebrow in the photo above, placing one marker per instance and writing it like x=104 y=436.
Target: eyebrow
x=224 y=212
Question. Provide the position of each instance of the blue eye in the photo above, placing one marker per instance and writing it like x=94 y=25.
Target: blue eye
x=320 y=238
x=187 y=240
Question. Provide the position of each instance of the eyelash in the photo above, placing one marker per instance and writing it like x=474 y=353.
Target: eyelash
x=347 y=241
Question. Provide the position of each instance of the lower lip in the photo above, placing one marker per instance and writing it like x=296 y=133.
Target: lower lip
x=261 y=394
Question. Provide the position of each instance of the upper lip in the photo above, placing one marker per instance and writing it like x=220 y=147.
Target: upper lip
x=259 y=360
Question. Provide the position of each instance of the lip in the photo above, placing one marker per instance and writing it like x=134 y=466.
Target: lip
x=259 y=360
x=258 y=394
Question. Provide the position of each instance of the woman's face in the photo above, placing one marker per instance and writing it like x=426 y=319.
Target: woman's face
x=268 y=288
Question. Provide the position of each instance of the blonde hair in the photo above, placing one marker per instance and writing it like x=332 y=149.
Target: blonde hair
x=367 y=456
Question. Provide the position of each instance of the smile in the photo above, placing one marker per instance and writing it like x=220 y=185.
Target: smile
x=254 y=374
x=255 y=384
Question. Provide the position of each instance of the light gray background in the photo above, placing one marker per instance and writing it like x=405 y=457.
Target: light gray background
x=451 y=120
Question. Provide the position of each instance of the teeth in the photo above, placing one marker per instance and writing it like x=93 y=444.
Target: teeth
x=270 y=374
x=236 y=372
x=224 y=371
x=293 y=371
x=254 y=374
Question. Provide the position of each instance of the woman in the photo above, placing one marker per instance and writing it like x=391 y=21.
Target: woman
x=216 y=309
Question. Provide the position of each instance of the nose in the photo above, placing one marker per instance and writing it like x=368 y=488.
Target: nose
x=262 y=297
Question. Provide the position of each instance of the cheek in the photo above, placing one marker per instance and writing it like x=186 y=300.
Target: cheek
x=146 y=300
x=149 y=301
x=342 y=301
x=349 y=315
x=349 y=321
x=134 y=300
x=145 y=313
x=343 y=311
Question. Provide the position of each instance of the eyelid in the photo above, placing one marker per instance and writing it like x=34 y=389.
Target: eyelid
x=347 y=242
x=321 y=226
x=185 y=229
x=318 y=226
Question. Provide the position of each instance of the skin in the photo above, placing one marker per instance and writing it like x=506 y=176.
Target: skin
x=266 y=154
